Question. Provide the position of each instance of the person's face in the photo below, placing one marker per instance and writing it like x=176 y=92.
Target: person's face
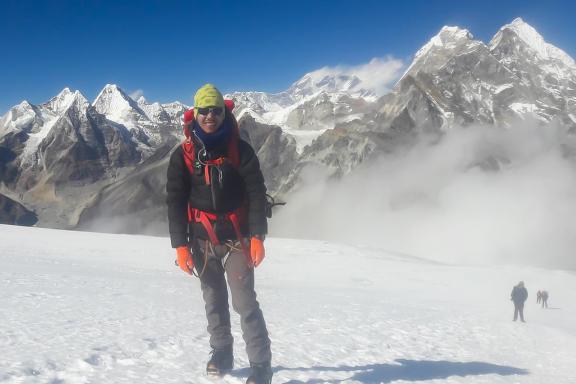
x=210 y=119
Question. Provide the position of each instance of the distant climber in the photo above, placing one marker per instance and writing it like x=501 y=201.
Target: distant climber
x=538 y=297
x=544 y=299
x=518 y=296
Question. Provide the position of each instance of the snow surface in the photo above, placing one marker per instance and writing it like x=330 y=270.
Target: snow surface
x=82 y=307
x=502 y=87
x=521 y=108
x=304 y=137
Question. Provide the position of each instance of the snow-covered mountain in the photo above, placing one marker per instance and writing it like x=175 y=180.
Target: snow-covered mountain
x=61 y=141
x=330 y=81
x=456 y=81
x=464 y=81
x=68 y=142
x=320 y=99
x=117 y=106
x=546 y=74
x=150 y=125
x=335 y=118
x=453 y=81
x=85 y=307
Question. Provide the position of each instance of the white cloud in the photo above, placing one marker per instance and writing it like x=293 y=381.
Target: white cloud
x=444 y=202
x=136 y=94
x=379 y=74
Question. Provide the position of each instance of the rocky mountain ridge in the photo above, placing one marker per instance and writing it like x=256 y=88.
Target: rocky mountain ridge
x=81 y=164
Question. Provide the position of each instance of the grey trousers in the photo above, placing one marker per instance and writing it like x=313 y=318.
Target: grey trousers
x=518 y=309
x=230 y=260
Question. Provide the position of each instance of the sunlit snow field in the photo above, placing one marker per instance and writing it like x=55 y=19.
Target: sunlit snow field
x=79 y=307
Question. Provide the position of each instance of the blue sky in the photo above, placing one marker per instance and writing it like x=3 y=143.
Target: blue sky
x=167 y=49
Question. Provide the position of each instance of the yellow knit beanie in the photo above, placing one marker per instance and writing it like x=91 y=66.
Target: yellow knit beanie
x=208 y=96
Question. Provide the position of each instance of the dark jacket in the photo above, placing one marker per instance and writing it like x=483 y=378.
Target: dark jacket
x=519 y=294
x=229 y=189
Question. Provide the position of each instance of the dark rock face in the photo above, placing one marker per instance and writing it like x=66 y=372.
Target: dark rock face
x=12 y=212
x=276 y=151
x=80 y=146
x=10 y=146
x=135 y=204
x=56 y=154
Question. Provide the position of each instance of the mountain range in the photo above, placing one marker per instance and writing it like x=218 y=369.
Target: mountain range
x=101 y=165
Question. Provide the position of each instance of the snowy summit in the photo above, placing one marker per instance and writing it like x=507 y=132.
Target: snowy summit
x=531 y=37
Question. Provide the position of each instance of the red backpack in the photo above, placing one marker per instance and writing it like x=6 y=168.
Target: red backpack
x=236 y=217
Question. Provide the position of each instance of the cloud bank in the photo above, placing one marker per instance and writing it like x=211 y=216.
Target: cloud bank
x=482 y=195
x=380 y=74
x=136 y=94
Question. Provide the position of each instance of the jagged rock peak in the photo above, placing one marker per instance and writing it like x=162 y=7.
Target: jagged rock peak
x=17 y=115
x=65 y=99
x=454 y=32
x=63 y=93
x=80 y=100
x=24 y=105
x=321 y=78
x=111 y=89
x=446 y=38
x=113 y=101
x=446 y=41
x=533 y=39
x=175 y=104
x=175 y=110
x=325 y=79
x=527 y=33
x=329 y=80
x=142 y=102
x=155 y=112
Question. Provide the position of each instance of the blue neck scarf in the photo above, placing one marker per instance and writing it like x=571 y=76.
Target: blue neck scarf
x=215 y=139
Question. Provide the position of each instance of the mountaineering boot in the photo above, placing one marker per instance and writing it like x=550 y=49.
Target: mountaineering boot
x=261 y=374
x=221 y=362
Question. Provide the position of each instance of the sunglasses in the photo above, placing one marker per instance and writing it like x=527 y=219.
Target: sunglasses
x=216 y=111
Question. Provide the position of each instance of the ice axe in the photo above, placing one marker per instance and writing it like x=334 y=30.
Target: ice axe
x=271 y=203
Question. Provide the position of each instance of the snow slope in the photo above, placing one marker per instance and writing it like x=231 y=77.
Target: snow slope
x=81 y=307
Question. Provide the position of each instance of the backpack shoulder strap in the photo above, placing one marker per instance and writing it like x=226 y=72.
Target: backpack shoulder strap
x=189 y=154
x=234 y=144
x=188 y=145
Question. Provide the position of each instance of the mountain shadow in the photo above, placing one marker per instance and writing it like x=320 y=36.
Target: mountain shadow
x=407 y=370
x=12 y=212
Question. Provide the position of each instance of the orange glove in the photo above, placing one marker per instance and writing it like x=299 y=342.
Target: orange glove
x=257 y=252
x=184 y=259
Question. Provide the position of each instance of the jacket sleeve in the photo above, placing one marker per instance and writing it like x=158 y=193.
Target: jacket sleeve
x=255 y=189
x=177 y=191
